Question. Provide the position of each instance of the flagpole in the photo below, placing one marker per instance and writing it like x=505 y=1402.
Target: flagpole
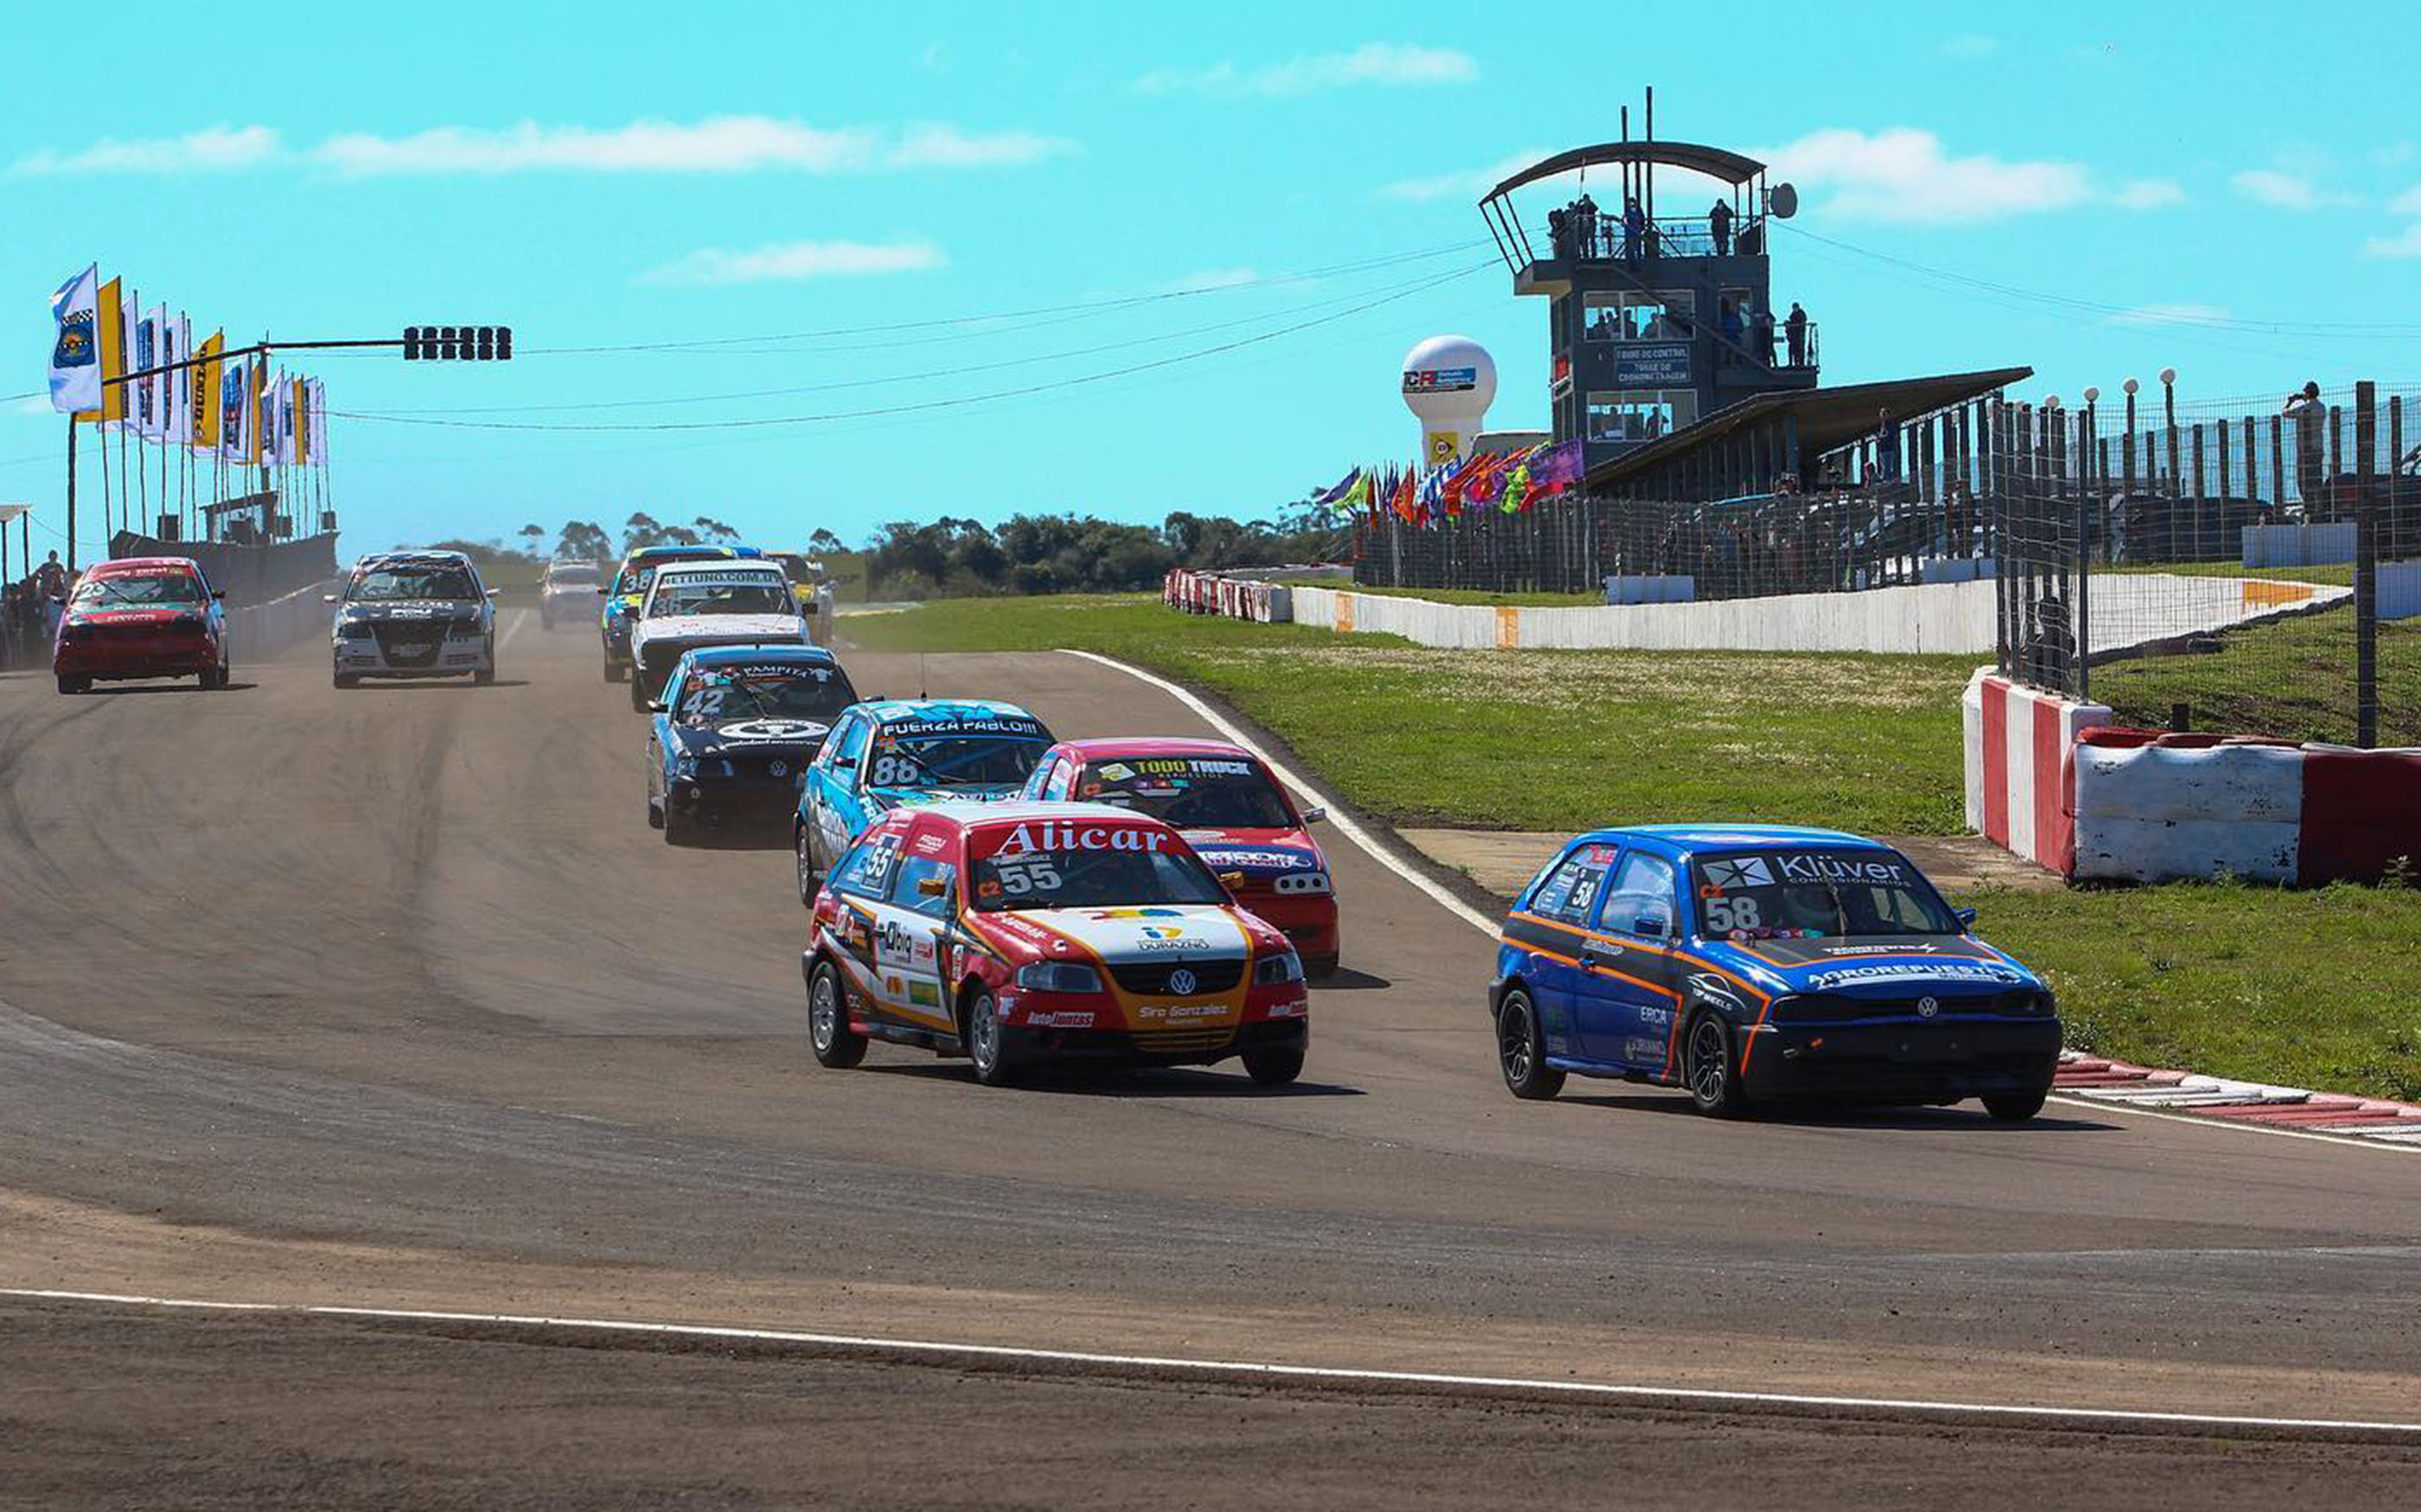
x=71 y=520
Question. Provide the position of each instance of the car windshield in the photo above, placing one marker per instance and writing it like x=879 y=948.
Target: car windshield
x=1088 y=879
x=1189 y=792
x=387 y=584
x=769 y=691
x=583 y=575
x=753 y=593
x=913 y=757
x=148 y=588
x=1790 y=895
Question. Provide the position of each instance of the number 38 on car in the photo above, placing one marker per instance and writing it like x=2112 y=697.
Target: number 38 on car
x=1014 y=933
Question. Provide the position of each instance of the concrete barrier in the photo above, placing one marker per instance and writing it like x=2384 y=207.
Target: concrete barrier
x=2298 y=545
x=257 y=631
x=2151 y=807
x=2017 y=740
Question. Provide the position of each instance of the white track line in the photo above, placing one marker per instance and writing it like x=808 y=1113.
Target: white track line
x=1335 y=1375
x=1489 y=927
x=1344 y=821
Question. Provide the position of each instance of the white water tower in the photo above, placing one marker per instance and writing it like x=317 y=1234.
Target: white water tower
x=1449 y=381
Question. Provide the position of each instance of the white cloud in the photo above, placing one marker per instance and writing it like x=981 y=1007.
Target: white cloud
x=1903 y=175
x=2148 y=193
x=1379 y=63
x=2405 y=243
x=212 y=149
x=936 y=145
x=1970 y=44
x=2407 y=203
x=1464 y=183
x=790 y=260
x=2171 y=315
x=32 y=404
x=2283 y=189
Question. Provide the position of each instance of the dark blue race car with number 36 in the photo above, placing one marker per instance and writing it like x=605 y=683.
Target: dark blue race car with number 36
x=1754 y=963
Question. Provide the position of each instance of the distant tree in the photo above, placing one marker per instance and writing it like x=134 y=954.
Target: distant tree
x=824 y=543
x=714 y=529
x=531 y=535
x=583 y=540
x=640 y=530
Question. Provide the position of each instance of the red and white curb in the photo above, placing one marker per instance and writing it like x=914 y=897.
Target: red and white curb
x=2251 y=1104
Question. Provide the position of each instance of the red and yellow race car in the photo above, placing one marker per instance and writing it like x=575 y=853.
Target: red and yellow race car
x=1237 y=816
x=1016 y=933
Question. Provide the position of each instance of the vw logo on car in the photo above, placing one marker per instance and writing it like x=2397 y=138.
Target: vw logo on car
x=1180 y=982
x=1927 y=1007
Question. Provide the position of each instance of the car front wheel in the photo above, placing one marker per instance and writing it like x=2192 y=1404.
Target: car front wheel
x=810 y=881
x=1712 y=1070
x=988 y=1043
x=2015 y=1107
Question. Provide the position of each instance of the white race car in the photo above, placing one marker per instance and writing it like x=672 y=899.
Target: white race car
x=732 y=602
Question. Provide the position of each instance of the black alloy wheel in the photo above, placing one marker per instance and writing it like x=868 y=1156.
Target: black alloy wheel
x=1709 y=1070
x=1521 y=1050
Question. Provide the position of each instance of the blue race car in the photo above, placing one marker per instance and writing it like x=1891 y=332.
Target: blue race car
x=733 y=733
x=1763 y=962
x=629 y=590
x=892 y=752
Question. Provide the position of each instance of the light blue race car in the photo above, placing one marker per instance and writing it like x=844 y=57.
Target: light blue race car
x=895 y=753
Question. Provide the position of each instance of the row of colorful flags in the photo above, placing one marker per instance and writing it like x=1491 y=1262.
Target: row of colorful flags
x=237 y=410
x=1508 y=481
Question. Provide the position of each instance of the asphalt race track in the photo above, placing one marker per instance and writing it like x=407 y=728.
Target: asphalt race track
x=390 y=999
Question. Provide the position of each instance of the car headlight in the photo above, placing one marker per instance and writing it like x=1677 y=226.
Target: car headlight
x=685 y=765
x=354 y=629
x=1303 y=882
x=1059 y=977
x=1278 y=969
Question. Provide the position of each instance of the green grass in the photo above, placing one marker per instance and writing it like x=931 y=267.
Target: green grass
x=1530 y=600
x=1531 y=739
x=2293 y=679
x=2314 y=988
x=2318 y=989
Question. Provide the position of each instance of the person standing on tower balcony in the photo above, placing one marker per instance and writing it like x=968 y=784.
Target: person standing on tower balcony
x=1762 y=336
x=1634 y=229
x=1719 y=223
x=1794 y=330
x=1585 y=224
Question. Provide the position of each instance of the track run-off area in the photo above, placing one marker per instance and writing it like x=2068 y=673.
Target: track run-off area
x=389 y=1000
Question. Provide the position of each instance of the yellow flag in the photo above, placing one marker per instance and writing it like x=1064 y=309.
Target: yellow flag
x=300 y=421
x=109 y=324
x=203 y=378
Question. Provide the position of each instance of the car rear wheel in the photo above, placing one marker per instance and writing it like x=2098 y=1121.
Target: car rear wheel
x=1275 y=1065
x=2015 y=1107
x=346 y=680
x=69 y=684
x=1521 y=1050
x=987 y=1045
x=1710 y=1071
x=676 y=824
x=615 y=672
x=835 y=1044
x=1319 y=968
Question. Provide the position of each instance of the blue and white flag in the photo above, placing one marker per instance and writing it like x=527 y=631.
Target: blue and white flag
x=76 y=356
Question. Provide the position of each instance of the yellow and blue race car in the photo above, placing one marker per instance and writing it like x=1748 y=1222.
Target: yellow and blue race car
x=629 y=590
x=1752 y=962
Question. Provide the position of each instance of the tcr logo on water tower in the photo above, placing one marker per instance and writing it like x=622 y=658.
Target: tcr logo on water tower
x=1440 y=380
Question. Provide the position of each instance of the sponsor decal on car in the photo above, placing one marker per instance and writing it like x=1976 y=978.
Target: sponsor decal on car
x=1062 y=1019
x=1939 y=971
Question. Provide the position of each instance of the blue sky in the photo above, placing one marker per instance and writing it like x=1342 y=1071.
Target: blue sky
x=2239 y=198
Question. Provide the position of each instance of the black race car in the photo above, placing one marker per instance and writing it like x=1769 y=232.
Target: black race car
x=731 y=736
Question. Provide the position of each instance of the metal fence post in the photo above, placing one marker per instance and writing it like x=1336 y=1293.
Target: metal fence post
x=2366 y=569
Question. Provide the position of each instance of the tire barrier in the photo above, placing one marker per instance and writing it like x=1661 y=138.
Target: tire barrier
x=2148 y=807
x=2017 y=742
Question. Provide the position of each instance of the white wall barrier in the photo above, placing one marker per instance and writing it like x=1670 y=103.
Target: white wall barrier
x=2017 y=741
x=1212 y=593
x=259 y=632
x=2298 y=545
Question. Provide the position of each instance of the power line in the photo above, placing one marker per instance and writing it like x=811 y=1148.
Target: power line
x=930 y=373
x=2333 y=329
x=958 y=401
x=1112 y=302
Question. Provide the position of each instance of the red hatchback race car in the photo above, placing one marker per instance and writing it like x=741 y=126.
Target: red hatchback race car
x=1235 y=814
x=141 y=616
x=1016 y=933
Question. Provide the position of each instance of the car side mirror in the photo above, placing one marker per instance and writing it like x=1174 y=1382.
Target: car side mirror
x=327 y=598
x=1966 y=918
x=934 y=886
x=1315 y=816
x=218 y=593
x=655 y=706
x=602 y=591
x=1231 y=879
x=492 y=592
